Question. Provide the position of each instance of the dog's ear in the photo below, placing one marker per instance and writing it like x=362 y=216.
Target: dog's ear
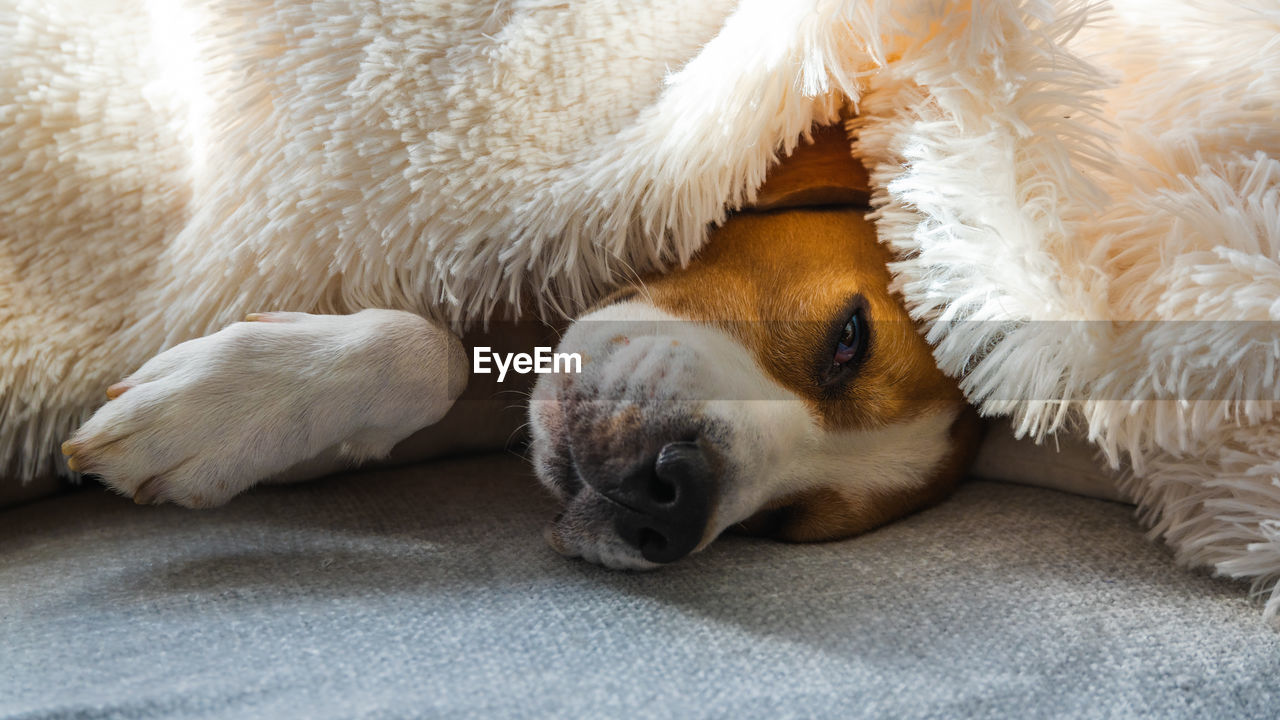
x=822 y=173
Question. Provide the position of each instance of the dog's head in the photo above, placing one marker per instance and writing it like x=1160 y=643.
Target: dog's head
x=775 y=386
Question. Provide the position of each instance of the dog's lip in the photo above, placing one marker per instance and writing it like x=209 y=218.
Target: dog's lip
x=581 y=530
x=551 y=534
x=606 y=551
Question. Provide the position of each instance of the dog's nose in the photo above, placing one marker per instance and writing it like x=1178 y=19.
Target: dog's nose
x=666 y=506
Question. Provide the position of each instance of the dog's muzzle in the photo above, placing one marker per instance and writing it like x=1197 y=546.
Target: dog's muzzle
x=629 y=445
x=639 y=484
x=662 y=505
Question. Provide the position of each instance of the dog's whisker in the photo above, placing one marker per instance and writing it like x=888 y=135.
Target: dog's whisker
x=517 y=432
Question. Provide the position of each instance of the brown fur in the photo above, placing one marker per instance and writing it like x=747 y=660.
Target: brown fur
x=778 y=279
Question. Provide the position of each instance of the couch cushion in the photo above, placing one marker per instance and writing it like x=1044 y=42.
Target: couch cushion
x=427 y=591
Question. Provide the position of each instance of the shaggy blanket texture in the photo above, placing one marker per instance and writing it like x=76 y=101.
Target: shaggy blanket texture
x=1085 y=198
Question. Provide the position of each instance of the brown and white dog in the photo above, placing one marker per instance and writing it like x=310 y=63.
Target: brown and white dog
x=775 y=385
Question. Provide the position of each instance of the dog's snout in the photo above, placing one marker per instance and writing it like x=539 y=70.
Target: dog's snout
x=679 y=469
x=666 y=504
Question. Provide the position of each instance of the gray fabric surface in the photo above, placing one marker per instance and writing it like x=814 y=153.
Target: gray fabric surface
x=428 y=592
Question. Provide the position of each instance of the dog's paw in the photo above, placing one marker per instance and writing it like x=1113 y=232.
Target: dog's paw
x=211 y=417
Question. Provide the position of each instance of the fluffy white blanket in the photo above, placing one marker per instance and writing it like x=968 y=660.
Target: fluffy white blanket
x=1086 y=199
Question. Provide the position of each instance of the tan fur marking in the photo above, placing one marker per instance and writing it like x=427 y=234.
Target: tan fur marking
x=778 y=280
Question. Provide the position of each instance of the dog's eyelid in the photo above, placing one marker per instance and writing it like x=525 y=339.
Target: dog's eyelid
x=830 y=375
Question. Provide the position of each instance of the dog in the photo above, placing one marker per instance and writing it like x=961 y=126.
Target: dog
x=775 y=386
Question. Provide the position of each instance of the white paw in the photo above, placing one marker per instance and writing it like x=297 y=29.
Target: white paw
x=211 y=417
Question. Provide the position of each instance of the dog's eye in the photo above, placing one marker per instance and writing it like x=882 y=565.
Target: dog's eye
x=850 y=340
x=848 y=346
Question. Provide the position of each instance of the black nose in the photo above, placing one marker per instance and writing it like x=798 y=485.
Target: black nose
x=665 y=505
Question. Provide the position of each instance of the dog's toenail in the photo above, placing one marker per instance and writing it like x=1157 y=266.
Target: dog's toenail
x=116 y=390
x=254 y=317
x=73 y=465
x=68 y=448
